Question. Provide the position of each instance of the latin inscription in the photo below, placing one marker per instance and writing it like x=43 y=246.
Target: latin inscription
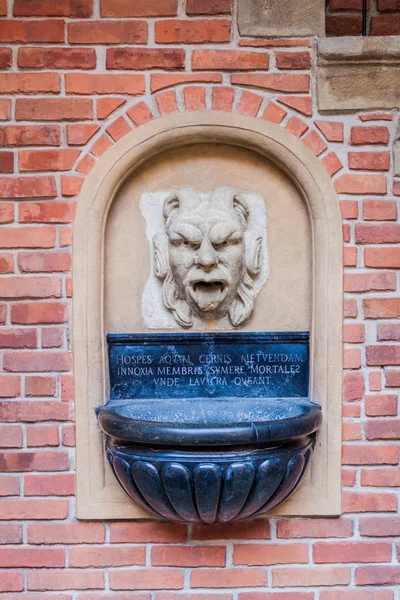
x=204 y=365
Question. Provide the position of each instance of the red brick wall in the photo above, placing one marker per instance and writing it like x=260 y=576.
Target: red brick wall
x=343 y=17
x=75 y=78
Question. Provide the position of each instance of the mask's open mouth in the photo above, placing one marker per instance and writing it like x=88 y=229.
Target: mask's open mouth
x=208 y=293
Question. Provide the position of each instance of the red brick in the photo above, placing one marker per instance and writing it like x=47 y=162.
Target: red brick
x=103 y=32
x=62 y=484
x=381 y=477
x=139 y=8
x=46 y=262
x=106 y=106
x=39 y=312
x=357 y=595
x=97 y=556
x=240 y=530
x=101 y=145
x=351 y=411
x=56 y=58
x=47 y=160
x=18 y=338
x=195 y=98
x=249 y=103
x=388 y=331
x=314 y=528
x=229 y=578
x=27 y=187
x=349 y=209
x=32 y=557
x=5 y=107
x=146 y=579
x=375 y=381
x=6 y=263
x=70 y=186
x=9 y=386
x=166 y=102
x=230 y=60
x=29 y=83
x=139 y=533
x=347 y=5
x=277 y=82
x=302 y=104
x=47 y=212
x=364 y=454
x=5 y=58
x=52 y=337
x=78 y=135
x=140 y=113
x=332 y=163
x=30 y=287
x=11 y=581
x=296 y=126
x=10 y=436
x=351 y=358
x=374 y=134
x=192 y=32
x=47 y=31
x=368 y=282
x=380 y=526
x=160 y=81
x=310 y=576
x=67 y=388
x=274 y=113
x=208 y=7
x=361 y=184
x=48 y=8
x=119 y=128
x=353 y=333
x=11 y=412
x=377 y=575
x=184 y=556
x=315 y=142
x=141 y=59
x=65 y=579
x=332 y=130
x=66 y=533
x=27 y=237
x=40 y=386
x=385 y=25
x=10 y=534
x=69 y=435
x=383 y=355
x=358 y=552
x=379 y=210
x=6 y=162
x=6 y=213
x=34 y=461
x=376 y=117
x=9 y=486
x=54 y=109
x=351 y=431
x=350 y=308
x=382 y=257
x=384 y=405
x=387 y=233
x=271 y=554
x=388 y=5
x=354 y=386
x=382 y=429
x=34 y=510
x=42 y=435
x=369 y=161
x=29 y=135
x=343 y=25
x=293 y=60
x=357 y=502
x=37 y=361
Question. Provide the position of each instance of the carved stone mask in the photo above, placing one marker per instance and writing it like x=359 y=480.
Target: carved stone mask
x=205 y=258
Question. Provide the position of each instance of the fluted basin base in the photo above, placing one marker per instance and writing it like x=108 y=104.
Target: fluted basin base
x=206 y=486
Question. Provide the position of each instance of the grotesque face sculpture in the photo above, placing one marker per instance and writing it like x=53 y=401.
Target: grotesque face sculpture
x=206 y=257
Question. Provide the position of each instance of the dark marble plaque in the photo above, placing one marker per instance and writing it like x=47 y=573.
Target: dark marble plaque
x=220 y=365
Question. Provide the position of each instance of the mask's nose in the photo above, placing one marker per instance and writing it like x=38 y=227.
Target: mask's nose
x=206 y=256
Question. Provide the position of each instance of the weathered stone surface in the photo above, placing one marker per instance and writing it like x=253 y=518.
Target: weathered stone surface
x=356 y=73
x=282 y=18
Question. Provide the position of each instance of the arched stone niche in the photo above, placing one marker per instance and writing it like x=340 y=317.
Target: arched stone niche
x=303 y=290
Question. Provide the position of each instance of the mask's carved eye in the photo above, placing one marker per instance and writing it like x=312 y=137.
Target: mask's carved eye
x=186 y=243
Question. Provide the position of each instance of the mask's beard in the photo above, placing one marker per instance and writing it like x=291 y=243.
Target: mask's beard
x=176 y=304
x=239 y=311
x=243 y=303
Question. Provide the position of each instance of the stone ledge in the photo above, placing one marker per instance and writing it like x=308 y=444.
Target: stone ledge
x=356 y=73
x=281 y=18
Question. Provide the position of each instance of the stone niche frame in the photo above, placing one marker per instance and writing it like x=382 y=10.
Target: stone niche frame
x=98 y=493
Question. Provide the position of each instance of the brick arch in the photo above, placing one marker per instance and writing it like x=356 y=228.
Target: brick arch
x=293 y=113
